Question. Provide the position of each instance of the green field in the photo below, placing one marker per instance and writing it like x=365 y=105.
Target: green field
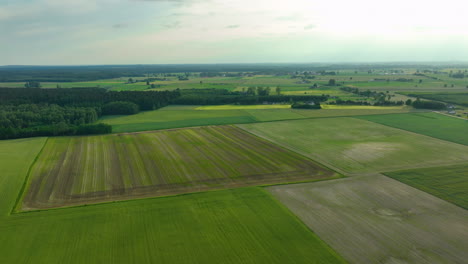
x=234 y=226
x=247 y=107
x=374 y=219
x=343 y=111
x=430 y=124
x=177 y=116
x=78 y=170
x=180 y=117
x=15 y=158
x=448 y=183
x=370 y=107
x=359 y=146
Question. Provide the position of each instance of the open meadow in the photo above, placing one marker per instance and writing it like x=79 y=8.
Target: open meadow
x=430 y=124
x=374 y=219
x=449 y=183
x=77 y=170
x=359 y=146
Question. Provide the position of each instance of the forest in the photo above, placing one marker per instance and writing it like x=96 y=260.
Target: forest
x=33 y=112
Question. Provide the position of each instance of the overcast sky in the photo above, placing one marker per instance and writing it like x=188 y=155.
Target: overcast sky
x=65 y=32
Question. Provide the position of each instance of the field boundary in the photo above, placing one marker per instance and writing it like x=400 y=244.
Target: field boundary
x=255 y=121
x=285 y=209
x=261 y=186
x=19 y=198
x=309 y=176
x=321 y=163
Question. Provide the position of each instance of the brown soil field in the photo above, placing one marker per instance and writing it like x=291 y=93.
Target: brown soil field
x=80 y=170
x=375 y=219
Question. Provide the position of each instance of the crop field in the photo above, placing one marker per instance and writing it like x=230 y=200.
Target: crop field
x=15 y=158
x=244 y=225
x=374 y=219
x=359 y=146
x=176 y=117
x=77 y=170
x=344 y=111
x=430 y=124
x=448 y=183
x=371 y=107
x=247 y=107
x=188 y=116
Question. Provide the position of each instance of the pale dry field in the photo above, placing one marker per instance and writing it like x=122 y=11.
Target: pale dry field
x=374 y=219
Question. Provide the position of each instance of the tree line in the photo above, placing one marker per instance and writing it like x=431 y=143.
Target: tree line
x=33 y=112
x=247 y=97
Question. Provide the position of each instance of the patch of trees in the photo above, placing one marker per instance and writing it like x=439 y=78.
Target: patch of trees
x=428 y=105
x=94 y=97
x=367 y=93
x=222 y=96
x=309 y=105
x=30 y=120
x=327 y=72
x=120 y=108
x=32 y=84
x=349 y=102
x=404 y=80
x=459 y=75
x=427 y=76
x=33 y=112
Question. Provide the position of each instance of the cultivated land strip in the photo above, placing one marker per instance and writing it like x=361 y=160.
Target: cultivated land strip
x=353 y=146
x=430 y=124
x=77 y=170
x=374 y=219
x=448 y=183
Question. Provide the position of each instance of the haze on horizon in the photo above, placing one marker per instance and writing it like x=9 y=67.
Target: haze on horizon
x=65 y=32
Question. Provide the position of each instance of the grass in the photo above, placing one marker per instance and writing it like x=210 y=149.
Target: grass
x=247 y=107
x=350 y=112
x=16 y=156
x=448 y=183
x=371 y=107
x=177 y=116
x=374 y=219
x=430 y=124
x=78 y=170
x=234 y=226
x=244 y=225
x=359 y=146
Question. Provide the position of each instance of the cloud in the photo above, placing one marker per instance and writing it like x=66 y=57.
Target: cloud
x=233 y=26
x=309 y=27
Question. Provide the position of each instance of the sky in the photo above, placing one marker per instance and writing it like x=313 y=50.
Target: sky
x=85 y=32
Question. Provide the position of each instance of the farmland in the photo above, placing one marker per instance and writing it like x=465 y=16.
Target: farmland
x=189 y=116
x=448 y=183
x=430 y=124
x=374 y=219
x=358 y=146
x=243 y=225
x=221 y=172
x=77 y=170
